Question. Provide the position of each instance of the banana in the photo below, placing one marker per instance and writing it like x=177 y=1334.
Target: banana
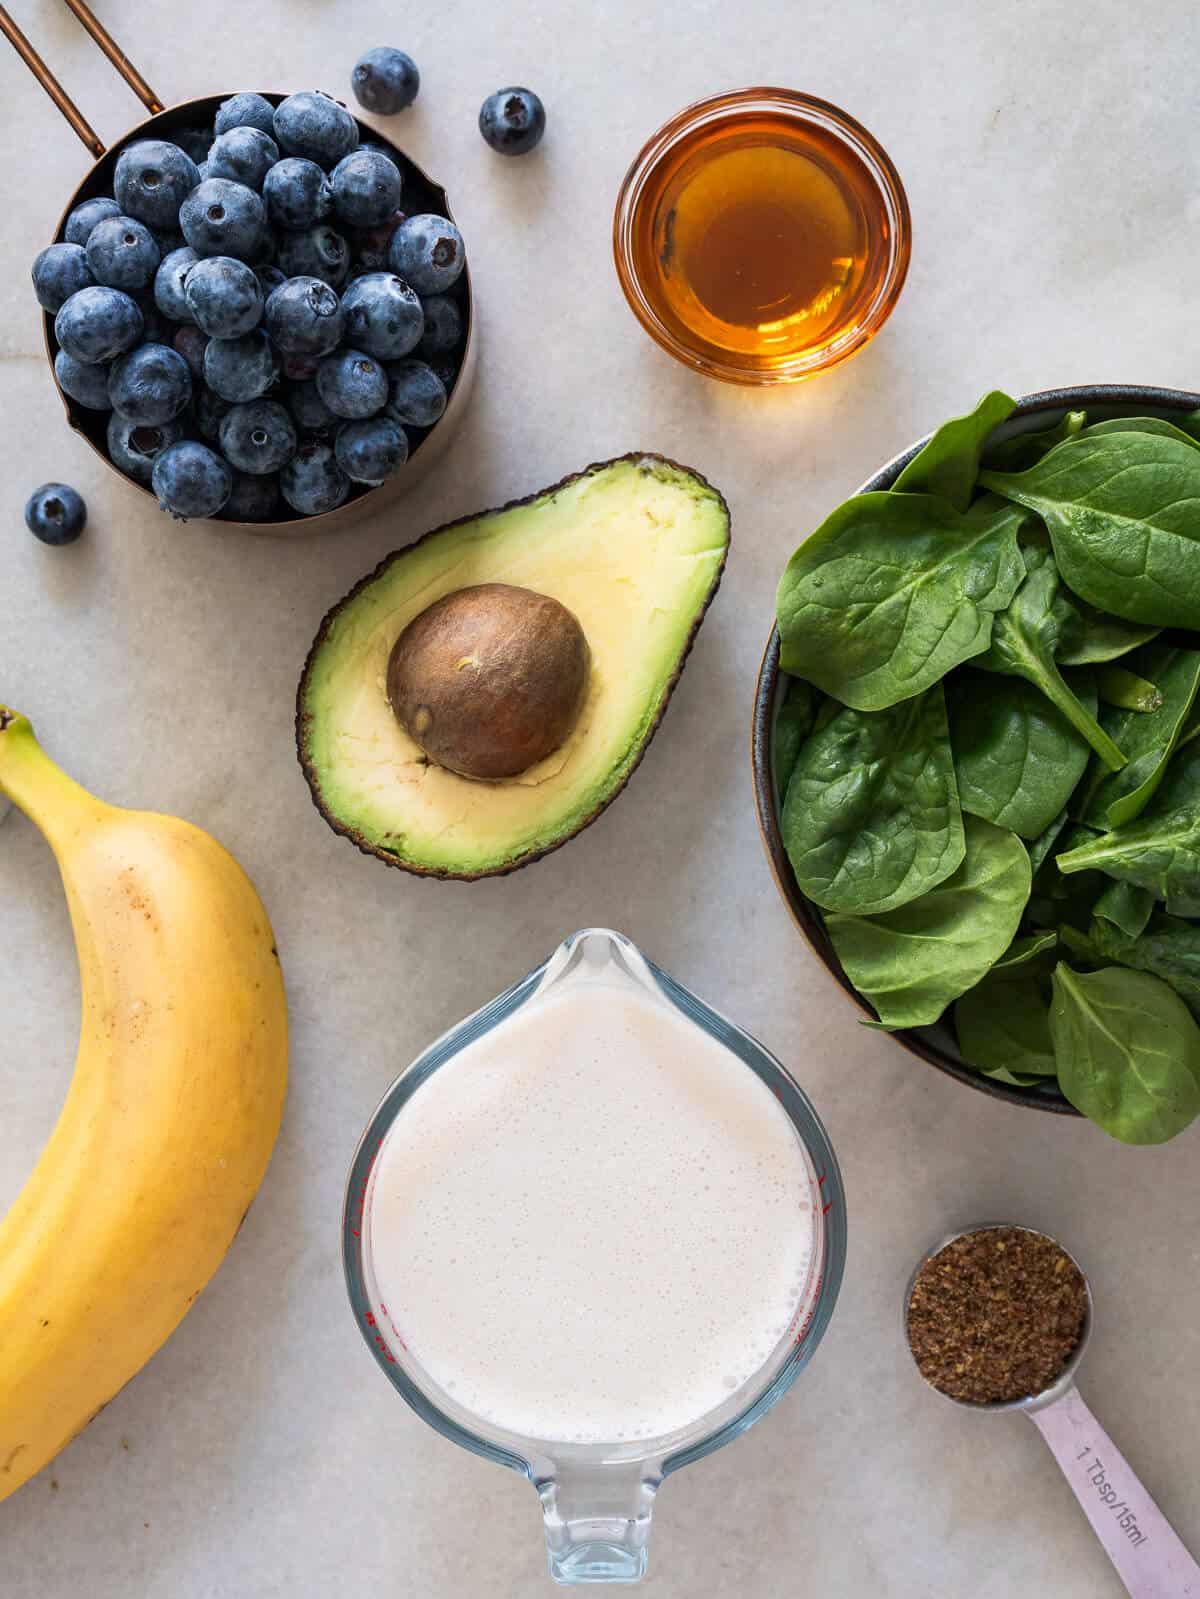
x=171 y=1116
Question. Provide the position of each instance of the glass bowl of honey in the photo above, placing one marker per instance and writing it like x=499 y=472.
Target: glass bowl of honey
x=762 y=236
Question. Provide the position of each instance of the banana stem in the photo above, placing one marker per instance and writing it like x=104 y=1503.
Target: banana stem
x=54 y=802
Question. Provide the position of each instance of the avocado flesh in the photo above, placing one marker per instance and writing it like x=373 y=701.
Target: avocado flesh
x=633 y=547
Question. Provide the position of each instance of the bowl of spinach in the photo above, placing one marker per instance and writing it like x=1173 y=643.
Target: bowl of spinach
x=976 y=752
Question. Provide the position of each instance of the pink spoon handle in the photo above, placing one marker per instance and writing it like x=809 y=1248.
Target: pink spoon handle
x=1149 y=1557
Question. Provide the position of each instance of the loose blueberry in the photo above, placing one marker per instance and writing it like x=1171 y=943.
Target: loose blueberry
x=202 y=169
x=417 y=396
x=244 y=155
x=366 y=188
x=59 y=271
x=318 y=252
x=352 y=384
x=151 y=384
x=220 y=217
x=55 y=514
x=269 y=279
x=134 y=447
x=169 y=295
x=427 y=251
x=311 y=413
x=383 y=315
x=443 y=325
x=254 y=498
x=258 y=436
x=224 y=297
x=191 y=344
x=297 y=193
x=196 y=142
x=385 y=80
x=370 y=451
x=87 y=385
x=304 y=317
x=245 y=111
x=152 y=180
x=85 y=217
x=122 y=253
x=512 y=121
x=98 y=324
x=312 y=482
x=211 y=411
x=240 y=369
x=190 y=480
x=314 y=126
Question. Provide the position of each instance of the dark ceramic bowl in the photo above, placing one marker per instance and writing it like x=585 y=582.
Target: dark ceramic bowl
x=936 y=1045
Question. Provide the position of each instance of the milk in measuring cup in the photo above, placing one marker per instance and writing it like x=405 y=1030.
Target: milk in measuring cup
x=594 y=1223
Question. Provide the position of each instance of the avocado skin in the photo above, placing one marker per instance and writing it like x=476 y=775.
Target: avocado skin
x=414 y=868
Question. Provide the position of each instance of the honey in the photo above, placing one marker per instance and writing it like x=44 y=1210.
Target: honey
x=762 y=244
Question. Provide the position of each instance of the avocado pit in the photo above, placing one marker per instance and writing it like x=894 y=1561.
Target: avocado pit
x=489 y=680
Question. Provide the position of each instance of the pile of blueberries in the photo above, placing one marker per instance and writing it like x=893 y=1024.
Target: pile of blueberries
x=263 y=320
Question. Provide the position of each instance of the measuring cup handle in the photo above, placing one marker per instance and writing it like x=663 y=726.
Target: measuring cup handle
x=1148 y=1555
x=597 y=1521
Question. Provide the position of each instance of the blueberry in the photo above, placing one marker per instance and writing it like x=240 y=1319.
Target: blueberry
x=352 y=384
x=195 y=142
x=190 y=480
x=269 y=279
x=134 y=447
x=312 y=481
x=297 y=193
x=366 y=188
x=155 y=327
x=317 y=253
x=512 y=121
x=168 y=284
x=417 y=396
x=245 y=155
x=310 y=411
x=224 y=297
x=383 y=315
x=202 y=169
x=445 y=367
x=313 y=125
x=191 y=344
x=85 y=217
x=152 y=180
x=59 y=271
x=304 y=317
x=151 y=384
x=443 y=325
x=245 y=111
x=223 y=218
x=385 y=80
x=255 y=497
x=427 y=251
x=211 y=411
x=98 y=324
x=370 y=451
x=258 y=436
x=122 y=253
x=87 y=385
x=55 y=514
x=372 y=246
x=240 y=369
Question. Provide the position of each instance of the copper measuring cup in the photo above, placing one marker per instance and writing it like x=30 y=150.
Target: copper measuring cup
x=162 y=123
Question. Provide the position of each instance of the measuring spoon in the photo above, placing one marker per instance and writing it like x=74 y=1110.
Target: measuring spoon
x=1148 y=1555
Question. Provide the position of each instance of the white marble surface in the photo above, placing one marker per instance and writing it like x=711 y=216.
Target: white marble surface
x=1051 y=154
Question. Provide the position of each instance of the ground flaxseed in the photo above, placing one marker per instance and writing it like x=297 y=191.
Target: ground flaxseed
x=996 y=1315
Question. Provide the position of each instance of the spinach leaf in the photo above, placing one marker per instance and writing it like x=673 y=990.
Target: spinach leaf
x=1126 y=908
x=1128 y=1052
x=1161 y=849
x=1089 y=637
x=872 y=819
x=1040 y=849
x=1148 y=738
x=1023 y=957
x=1017 y=758
x=949 y=464
x=1126 y=691
x=1169 y=948
x=912 y=962
x=1003 y=1029
x=793 y=723
x=1021 y=450
x=1122 y=509
x=1024 y=640
x=1143 y=424
x=891 y=592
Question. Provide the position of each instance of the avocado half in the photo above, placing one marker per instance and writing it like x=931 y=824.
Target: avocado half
x=634 y=547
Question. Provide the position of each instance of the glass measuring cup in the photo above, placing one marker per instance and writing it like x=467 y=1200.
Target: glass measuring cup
x=1148 y=1555
x=597 y=1499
